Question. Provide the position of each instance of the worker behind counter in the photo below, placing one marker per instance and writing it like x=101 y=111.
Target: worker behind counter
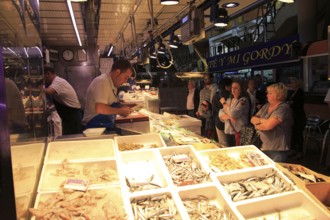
x=102 y=103
x=65 y=101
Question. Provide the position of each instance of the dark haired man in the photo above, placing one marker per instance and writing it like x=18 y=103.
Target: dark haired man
x=102 y=103
x=65 y=101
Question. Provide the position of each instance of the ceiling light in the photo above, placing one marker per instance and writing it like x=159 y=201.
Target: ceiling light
x=73 y=21
x=222 y=18
x=230 y=5
x=169 y=2
x=287 y=1
x=110 y=50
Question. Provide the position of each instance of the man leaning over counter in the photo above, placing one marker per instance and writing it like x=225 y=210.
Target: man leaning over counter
x=102 y=103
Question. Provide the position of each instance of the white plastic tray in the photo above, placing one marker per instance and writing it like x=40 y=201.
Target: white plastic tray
x=185 y=150
x=27 y=155
x=212 y=193
x=173 y=203
x=25 y=179
x=87 y=150
x=235 y=158
x=99 y=173
x=295 y=205
x=146 y=140
x=143 y=170
x=22 y=204
x=262 y=172
x=110 y=199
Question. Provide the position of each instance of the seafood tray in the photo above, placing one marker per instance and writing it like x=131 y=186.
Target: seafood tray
x=234 y=158
x=206 y=202
x=106 y=203
x=25 y=179
x=98 y=173
x=184 y=166
x=22 y=204
x=294 y=205
x=135 y=142
x=258 y=183
x=27 y=155
x=78 y=151
x=161 y=205
x=143 y=170
x=93 y=132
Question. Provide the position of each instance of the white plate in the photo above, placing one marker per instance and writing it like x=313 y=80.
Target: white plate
x=92 y=132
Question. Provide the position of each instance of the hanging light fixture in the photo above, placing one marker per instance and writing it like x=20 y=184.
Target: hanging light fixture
x=287 y=1
x=174 y=41
x=169 y=2
x=219 y=16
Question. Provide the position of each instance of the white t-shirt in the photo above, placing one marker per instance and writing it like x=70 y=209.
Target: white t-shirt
x=327 y=97
x=101 y=90
x=65 y=93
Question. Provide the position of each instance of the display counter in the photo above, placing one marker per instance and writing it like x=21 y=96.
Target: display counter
x=132 y=174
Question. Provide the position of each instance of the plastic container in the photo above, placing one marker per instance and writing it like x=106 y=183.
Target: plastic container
x=93 y=132
x=294 y=205
x=261 y=183
x=108 y=204
x=143 y=170
x=321 y=191
x=25 y=179
x=98 y=173
x=80 y=151
x=174 y=157
x=22 y=205
x=27 y=155
x=152 y=140
x=210 y=193
x=169 y=199
x=235 y=158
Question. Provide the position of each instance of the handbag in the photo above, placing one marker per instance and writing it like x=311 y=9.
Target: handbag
x=237 y=135
x=250 y=136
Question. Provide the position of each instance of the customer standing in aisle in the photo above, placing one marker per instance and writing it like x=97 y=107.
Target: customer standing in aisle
x=296 y=102
x=252 y=92
x=65 y=100
x=207 y=94
x=224 y=91
x=102 y=103
x=274 y=123
x=192 y=99
x=235 y=112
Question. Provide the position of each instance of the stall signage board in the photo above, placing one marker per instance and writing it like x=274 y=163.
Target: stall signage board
x=263 y=54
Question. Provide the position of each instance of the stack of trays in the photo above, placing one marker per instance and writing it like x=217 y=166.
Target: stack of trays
x=93 y=162
x=26 y=163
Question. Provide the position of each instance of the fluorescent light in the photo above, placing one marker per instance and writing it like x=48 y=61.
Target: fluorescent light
x=110 y=50
x=27 y=55
x=73 y=20
x=84 y=51
x=287 y=1
x=169 y=2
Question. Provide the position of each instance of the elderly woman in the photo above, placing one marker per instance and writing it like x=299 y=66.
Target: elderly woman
x=274 y=122
x=235 y=112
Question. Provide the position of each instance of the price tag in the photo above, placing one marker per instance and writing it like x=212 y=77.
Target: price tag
x=76 y=184
x=181 y=158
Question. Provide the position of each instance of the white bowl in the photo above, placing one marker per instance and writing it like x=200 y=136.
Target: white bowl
x=92 y=132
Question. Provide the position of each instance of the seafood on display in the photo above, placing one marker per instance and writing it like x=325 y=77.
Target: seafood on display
x=77 y=205
x=303 y=174
x=256 y=187
x=126 y=146
x=155 y=207
x=203 y=208
x=95 y=173
x=185 y=171
x=222 y=161
x=142 y=185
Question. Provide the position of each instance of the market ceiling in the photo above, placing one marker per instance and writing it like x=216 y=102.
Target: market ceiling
x=105 y=22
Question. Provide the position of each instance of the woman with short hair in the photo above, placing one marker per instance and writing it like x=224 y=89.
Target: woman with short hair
x=274 y=123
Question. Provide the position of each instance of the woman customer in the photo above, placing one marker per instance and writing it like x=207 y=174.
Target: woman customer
x=235 y=112
x=274 y=122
